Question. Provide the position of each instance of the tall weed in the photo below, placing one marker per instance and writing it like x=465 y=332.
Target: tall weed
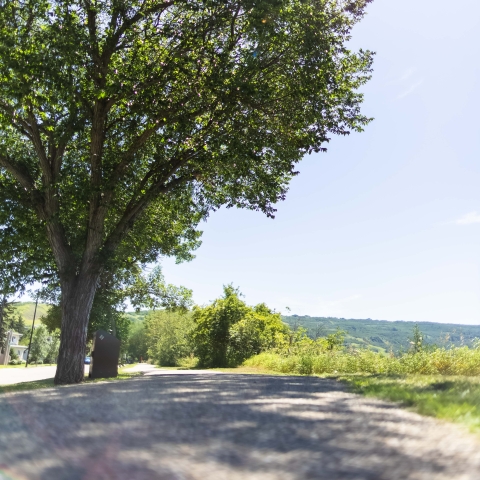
x=454 y=361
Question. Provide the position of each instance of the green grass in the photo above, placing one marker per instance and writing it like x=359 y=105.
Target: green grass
x=30 y=365
x=452 y=398
x=48 y=383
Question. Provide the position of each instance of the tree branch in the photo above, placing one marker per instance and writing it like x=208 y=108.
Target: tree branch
x=20 y=174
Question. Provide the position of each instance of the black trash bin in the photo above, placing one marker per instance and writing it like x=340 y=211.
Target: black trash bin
x=105 y=354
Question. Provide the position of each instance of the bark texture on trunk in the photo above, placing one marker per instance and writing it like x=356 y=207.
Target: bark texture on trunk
x=77 y=299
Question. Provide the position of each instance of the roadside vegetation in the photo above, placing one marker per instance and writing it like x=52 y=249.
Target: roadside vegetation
x=435 y=381
x=440 y=381
x=453 y=398
x=223 y=334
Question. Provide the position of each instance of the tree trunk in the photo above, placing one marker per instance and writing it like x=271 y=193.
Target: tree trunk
x=76 y=304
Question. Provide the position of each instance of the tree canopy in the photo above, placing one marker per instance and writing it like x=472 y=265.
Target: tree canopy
x=123 y=123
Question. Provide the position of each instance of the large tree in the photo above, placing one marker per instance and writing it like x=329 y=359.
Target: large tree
x=124 y=122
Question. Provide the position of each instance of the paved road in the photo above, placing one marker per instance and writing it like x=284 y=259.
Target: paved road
x=226 y=426
x=150 y=370
x=9 y=376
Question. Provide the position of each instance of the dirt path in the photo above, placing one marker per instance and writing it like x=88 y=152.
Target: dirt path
x=224 y=427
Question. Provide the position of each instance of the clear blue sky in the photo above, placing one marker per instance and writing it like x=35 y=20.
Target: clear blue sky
x=386 y=225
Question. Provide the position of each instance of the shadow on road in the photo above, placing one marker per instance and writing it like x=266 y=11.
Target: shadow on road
x=227 y=427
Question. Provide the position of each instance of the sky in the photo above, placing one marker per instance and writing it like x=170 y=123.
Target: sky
x=386 y=225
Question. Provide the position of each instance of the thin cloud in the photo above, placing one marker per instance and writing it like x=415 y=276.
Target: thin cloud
x=410 y=90
x=405 y=76
x=469 y=218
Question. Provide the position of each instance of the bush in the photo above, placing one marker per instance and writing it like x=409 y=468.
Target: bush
x=40 y=345
x=228 y=331
x=137 y=346
x=53 y=348
x=16 y=362
x=167 y=336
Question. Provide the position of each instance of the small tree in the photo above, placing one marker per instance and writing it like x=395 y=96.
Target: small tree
x=17 y=324
x=335 y=340
x=53 y=347
x=167 y=335
x=211 y=335
x=40 y=345
x=416 y=341
x=6 y=312
x=137 y=346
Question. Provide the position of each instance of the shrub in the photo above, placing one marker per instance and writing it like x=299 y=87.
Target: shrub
x=454 y=361
x=40 y=346
x=167 y=336
x=228 y=331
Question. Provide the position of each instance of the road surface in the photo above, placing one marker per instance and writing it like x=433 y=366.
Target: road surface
x=204 y=426
x=9 y=376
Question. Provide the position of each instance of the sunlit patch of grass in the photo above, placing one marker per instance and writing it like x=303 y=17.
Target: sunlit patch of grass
x=20 y=387
x=453 y=398
x=30 y=365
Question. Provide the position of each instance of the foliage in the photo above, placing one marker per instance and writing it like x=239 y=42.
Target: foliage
x=152 y=292
x=333 y=341
x=52 y=319
x=167 y=335
x=17 y=324
x=416 y=341
x=53 y=348
x=14 y=358
x=109 y=302
x=137 y=346
x=124 y=124
x=319 y=361
x=211 y=335
x=228 y=331
x=260 y=329
x=40 y=345
x=453 y=398
x=6 y=311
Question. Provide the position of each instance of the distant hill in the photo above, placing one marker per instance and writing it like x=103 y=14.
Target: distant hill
x=26 y=309
x=383 y=335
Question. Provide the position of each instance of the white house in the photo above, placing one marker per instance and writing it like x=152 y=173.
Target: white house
x=20 y=350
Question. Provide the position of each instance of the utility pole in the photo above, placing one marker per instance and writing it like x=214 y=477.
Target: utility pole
x=31 y=333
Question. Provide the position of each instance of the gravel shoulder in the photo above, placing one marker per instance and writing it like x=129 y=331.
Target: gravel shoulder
x=225 y=426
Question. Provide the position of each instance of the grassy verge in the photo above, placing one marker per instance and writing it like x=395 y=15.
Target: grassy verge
x=441 y=383
x=30 y=365
x=453 y=398
x=48 y=383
